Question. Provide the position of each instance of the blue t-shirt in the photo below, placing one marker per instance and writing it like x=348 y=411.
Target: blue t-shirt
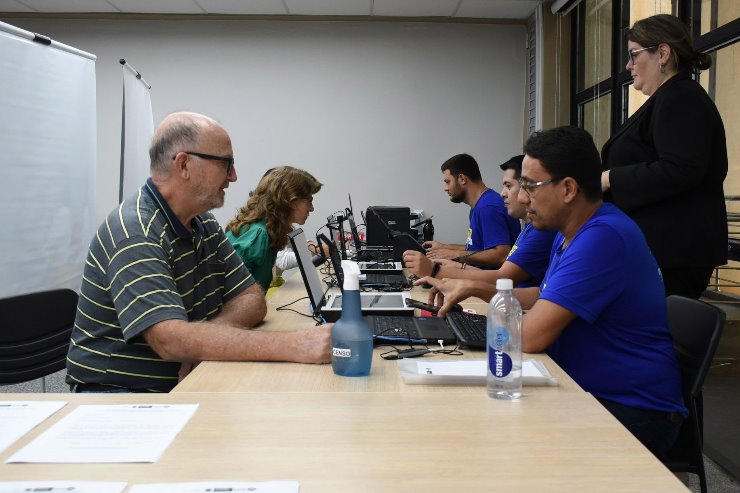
x=490 y=223
x=531 y=252
x=618 y=348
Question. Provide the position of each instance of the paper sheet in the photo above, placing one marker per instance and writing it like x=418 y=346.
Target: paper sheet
x=109 y=433
x=61 y=487
x=218 y=486
x=466 y=372
x=19 y=417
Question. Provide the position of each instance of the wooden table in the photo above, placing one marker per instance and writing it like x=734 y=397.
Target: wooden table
x=376 y=442
x=219 y=376
x=283 y=421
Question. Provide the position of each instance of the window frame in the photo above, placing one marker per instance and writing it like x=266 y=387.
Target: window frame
x=617 y=83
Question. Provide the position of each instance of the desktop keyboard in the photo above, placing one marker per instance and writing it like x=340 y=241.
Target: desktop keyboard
x=469 y=328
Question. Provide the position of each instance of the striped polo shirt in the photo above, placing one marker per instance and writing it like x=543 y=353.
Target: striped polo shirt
x=144 y=267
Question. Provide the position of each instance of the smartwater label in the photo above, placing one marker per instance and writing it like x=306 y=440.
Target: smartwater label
x=499 y=363
x=500 y=337
x=341 y=352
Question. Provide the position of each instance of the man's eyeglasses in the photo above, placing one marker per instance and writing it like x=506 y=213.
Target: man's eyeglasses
x=632 y=54
x=228 y=161
x=531 y=186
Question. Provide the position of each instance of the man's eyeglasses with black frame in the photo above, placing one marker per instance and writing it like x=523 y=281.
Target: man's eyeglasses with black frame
x=228 y=161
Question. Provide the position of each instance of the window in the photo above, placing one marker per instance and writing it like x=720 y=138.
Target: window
x=593 y=71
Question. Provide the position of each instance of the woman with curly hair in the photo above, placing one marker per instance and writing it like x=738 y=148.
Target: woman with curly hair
x=260 y=229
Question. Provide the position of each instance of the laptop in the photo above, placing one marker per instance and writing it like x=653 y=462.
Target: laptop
x=330 y=307
x=364 y=251
x=465 y=329
x=353 y=227
x=388 y=314
x=385 y=280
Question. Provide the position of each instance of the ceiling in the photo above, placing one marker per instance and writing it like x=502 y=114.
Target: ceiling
x=449 y=9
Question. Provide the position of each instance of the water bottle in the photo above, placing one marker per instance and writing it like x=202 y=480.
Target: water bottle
x=504 y=343
x=351 y=337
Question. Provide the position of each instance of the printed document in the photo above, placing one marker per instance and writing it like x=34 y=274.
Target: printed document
x=109 y=433
x=19 y=417
x=213 y=486
x=466 y=372
x=61 y=487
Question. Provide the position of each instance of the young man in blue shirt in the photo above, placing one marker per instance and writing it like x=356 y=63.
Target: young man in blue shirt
x=492 y=231
x=528 y=259
x=600 y=312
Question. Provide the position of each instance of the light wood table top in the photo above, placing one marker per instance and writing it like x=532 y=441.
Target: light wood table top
x=219 y=376
x=374 y=442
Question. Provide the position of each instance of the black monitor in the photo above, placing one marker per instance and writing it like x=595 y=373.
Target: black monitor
x=382 y=221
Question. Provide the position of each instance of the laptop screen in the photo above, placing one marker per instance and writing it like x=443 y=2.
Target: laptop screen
x=335 y=258
x=308 y=271
x=383 y=221
x=353 y=226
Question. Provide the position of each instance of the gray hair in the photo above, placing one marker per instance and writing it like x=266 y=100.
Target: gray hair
x=172 y=138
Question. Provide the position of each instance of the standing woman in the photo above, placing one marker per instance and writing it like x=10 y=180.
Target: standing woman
x=665 y=166
x=260 y=229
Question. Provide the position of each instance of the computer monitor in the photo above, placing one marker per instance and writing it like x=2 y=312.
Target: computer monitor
x=382 y=221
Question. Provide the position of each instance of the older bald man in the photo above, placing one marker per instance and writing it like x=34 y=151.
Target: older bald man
x=163 y=288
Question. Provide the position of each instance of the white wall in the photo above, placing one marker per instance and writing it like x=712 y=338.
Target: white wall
x=371 y=108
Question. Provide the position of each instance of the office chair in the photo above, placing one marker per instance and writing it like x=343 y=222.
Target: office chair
x=34 y=334
x=696 y=328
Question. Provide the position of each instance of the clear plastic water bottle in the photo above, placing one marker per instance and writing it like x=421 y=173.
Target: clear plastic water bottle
x=504 y=344
x=351 y=337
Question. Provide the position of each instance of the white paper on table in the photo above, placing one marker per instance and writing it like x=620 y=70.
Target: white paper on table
x=109 y=433
x=217 y=486
x=19 y=417
x=62 y=487
x=467 y=372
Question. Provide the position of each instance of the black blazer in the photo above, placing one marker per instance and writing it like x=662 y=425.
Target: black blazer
x=668 y=162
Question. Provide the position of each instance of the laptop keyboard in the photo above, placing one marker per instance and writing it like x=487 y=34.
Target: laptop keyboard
x=469 y=327
x=380 y=265
x=392 y=326
x=395 y=279
x=374 y=255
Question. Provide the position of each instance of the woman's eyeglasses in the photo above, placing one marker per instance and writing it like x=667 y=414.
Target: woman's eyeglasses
x=632 y=54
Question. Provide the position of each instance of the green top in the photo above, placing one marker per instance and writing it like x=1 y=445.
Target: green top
x=253 y=246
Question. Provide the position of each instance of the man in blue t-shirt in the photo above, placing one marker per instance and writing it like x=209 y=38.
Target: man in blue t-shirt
x=601 y=312
x=528 y=259
x=491 y=232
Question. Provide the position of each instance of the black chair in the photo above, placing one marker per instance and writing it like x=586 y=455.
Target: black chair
x=696 y=328
x=34 y=334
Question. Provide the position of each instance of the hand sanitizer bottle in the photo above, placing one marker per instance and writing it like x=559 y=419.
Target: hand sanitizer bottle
x=351 y=337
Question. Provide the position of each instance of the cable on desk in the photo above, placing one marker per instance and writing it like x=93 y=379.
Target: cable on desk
x=284 y=308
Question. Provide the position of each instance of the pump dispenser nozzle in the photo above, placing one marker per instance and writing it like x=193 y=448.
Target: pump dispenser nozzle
x=351 y=275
